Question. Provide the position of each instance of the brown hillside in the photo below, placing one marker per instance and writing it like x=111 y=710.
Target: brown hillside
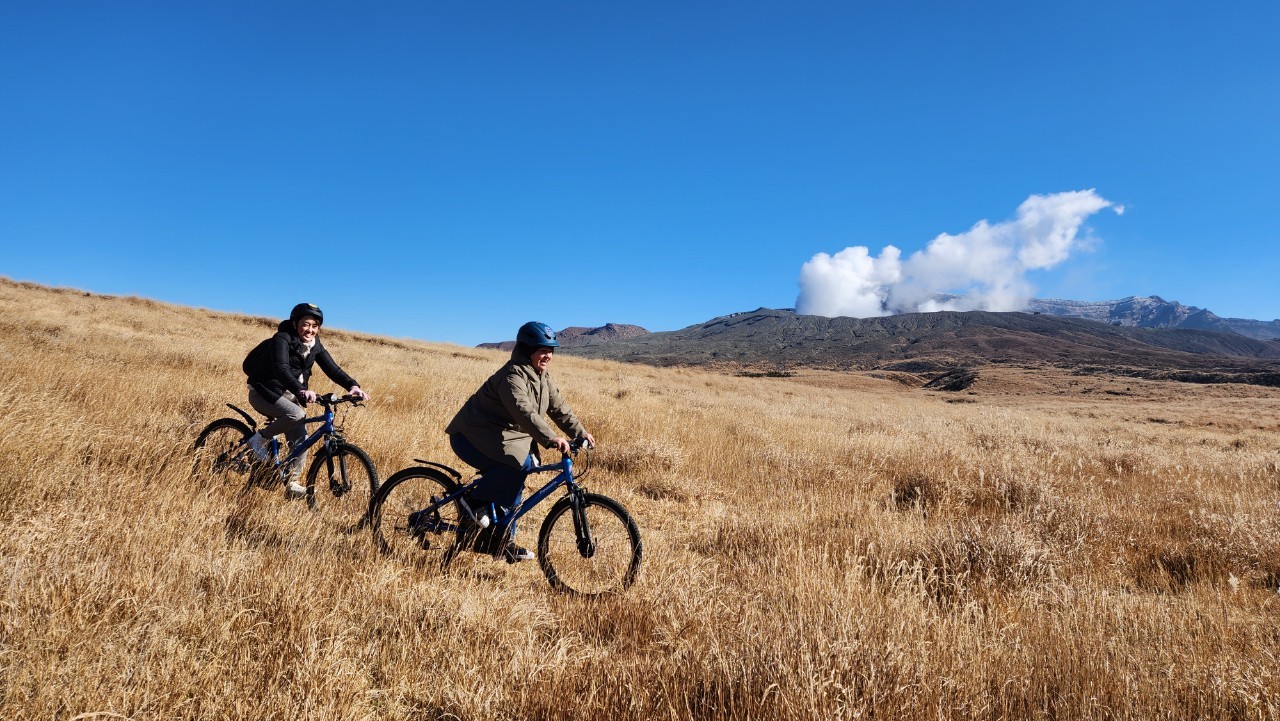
x=827 y=545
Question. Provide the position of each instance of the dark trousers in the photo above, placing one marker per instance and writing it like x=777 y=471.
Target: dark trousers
x=500 y=484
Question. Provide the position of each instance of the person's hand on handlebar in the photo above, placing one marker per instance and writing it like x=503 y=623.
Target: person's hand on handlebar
x=307 y=396
x=358 y=393
x=562 y=445
x=590 y=440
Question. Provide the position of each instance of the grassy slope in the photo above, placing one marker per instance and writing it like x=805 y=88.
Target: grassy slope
x=829 y=545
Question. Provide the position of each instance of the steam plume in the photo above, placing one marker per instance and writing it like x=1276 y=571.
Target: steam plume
x=983 y=268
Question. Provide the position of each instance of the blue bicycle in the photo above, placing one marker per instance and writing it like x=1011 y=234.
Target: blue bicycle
x=341 y=474
x=588 y=543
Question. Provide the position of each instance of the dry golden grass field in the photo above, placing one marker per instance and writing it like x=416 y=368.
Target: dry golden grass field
x=826 y=546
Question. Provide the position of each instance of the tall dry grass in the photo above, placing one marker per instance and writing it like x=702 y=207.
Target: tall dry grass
x=824 y=546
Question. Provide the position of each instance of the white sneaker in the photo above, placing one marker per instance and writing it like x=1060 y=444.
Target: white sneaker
x=293 y=489
x=515 y=554
x=259 y=447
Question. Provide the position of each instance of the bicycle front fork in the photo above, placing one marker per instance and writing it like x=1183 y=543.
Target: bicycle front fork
x=586 y=544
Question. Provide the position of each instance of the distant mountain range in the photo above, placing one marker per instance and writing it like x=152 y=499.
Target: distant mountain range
x=942 y=339
x=932 y=343
x=576 y=336
x=1147 y=337
x=1131 y=312
x=1155 y=312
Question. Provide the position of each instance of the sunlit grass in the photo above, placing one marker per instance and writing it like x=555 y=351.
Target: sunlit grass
x=820 y=546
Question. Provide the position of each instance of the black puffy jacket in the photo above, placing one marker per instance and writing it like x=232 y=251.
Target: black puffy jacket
x=275 y=364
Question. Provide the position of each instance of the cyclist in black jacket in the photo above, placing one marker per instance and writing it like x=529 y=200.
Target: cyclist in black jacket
x=278 y=369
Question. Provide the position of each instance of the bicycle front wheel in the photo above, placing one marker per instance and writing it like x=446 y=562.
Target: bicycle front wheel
x=220 y=452
x=344 y=481
x=589 y=545
x=407 y=522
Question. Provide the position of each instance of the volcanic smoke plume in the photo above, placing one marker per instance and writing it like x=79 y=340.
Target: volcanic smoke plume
x=983 y=268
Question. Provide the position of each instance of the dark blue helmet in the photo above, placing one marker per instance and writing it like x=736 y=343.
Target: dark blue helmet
x=537 y=335
x=305 y=309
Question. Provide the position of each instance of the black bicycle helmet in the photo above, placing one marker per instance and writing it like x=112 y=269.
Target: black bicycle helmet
x=304 y=309
x=537 y=335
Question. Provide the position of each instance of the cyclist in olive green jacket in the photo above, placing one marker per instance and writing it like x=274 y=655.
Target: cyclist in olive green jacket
x=497 y=428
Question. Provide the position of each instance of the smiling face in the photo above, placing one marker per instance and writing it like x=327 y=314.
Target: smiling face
x=541 y=358
x=308 y=327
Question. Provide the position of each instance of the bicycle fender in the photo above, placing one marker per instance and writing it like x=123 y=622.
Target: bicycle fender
x=240 y=426
x=252 y=423
x=456 y=475
x=413 y=470
x=564 y=500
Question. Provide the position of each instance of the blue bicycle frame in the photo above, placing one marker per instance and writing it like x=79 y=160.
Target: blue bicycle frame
x=327 y=431
x=433 y=513
x=306 y=444
x=564 y=477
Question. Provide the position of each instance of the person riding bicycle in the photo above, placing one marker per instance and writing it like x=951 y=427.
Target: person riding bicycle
x=496 y=430
x=278 y=369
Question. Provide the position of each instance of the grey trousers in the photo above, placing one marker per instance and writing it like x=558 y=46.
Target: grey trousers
x=288 y=415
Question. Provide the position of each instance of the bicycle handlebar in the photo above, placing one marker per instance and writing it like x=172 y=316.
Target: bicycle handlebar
x=333 y=399
x=576 y=445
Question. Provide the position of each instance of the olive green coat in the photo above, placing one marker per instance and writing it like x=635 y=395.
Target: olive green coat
x=507 y=415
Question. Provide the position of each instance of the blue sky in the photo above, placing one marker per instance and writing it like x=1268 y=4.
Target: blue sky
x=447 y=171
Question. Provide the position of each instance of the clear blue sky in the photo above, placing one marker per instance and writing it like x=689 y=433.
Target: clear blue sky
x=449 y=170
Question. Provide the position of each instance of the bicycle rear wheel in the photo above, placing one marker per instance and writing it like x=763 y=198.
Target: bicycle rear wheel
x=432 y=538
x=592 y=549
x=343 y=481
x=220 y=452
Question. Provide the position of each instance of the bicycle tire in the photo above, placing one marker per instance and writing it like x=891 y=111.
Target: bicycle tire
x=437 y=540
x=219 y=452
x=345 y=481
x=612 y=561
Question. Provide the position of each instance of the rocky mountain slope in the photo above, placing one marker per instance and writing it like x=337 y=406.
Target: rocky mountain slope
x=1155 y=312
x=933 y=342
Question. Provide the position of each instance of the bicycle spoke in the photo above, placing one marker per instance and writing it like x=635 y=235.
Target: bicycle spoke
x=220 y=453
x=342 y=482
x=406 y=524
x=593 y=550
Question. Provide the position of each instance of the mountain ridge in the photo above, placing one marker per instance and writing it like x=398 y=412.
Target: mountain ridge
x=578 y=336
x=939 y=341
x=1155 y=312
x=1131 y=312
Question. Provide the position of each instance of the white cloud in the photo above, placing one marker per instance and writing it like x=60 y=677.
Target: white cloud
x=983 y=268
x=850 y=282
